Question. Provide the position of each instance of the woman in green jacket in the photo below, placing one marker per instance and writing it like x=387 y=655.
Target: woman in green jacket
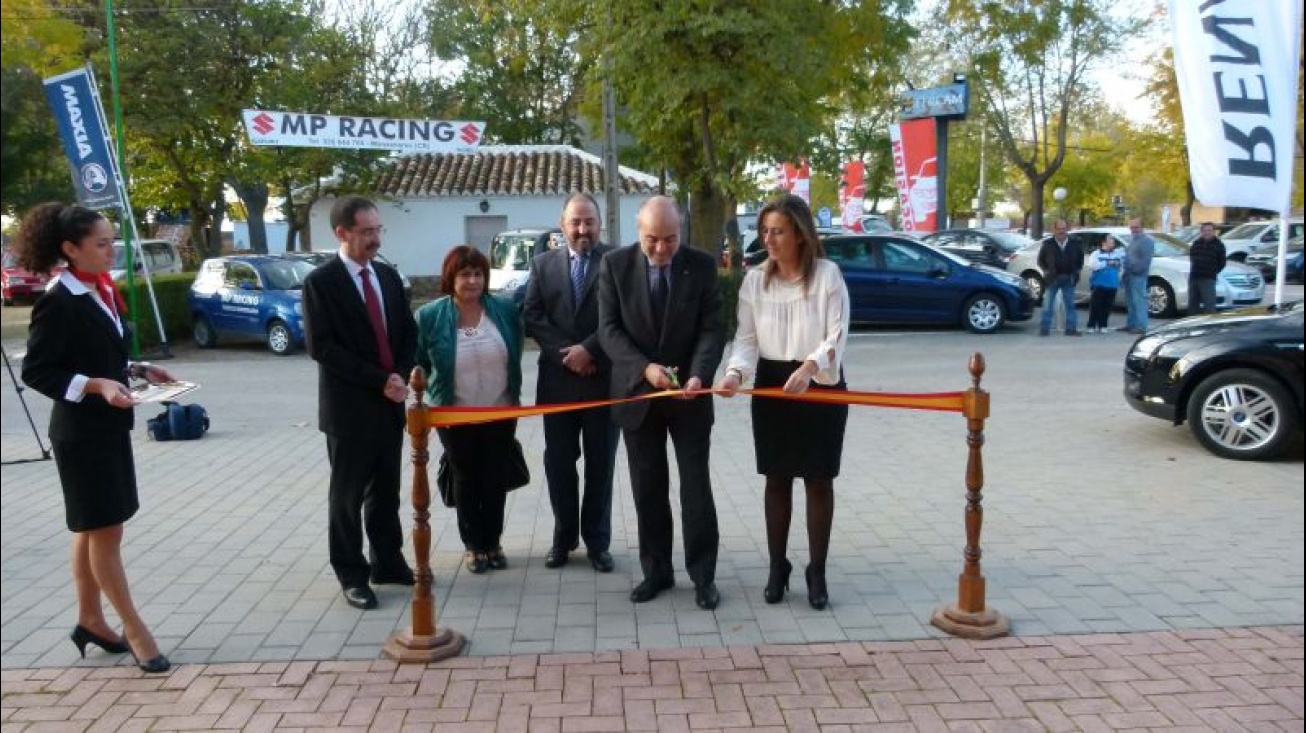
x=470 y=343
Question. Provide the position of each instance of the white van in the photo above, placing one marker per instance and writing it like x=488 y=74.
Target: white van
x=159 y=255
x=511 y=253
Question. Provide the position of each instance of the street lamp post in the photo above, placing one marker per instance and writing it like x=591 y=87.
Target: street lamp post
x=1060 y=195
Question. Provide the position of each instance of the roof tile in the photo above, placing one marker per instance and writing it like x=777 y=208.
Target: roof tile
x=511 y=170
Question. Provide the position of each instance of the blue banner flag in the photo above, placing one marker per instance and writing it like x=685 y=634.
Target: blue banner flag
x=82 y=128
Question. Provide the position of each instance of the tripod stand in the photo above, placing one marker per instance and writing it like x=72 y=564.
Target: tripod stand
x=19 y=388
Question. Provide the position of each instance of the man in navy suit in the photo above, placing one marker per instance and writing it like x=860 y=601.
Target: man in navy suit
x=561 y=312
x=660 y=323
x=363 y=337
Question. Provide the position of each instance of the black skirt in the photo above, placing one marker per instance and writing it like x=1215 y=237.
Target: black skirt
x=792 y=438
x=476 y=454
x=99 y=480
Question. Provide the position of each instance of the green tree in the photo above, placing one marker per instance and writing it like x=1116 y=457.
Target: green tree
x=36 y=41
x=522 y=72
x=1029 y=62
x=710 y=85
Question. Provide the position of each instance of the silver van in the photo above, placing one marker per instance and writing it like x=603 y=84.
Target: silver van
x=158 y=255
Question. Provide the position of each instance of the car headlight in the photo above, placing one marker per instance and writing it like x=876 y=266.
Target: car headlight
x=1144 y=347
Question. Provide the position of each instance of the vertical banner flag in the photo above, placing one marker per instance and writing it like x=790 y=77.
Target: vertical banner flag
x=915 y=171
x=796 y=179
x=852 y=194
x=77 y=111
x=1237 y=63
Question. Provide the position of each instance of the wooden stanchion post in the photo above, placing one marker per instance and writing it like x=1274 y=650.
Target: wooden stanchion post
x=969 y=617
x=423 y=642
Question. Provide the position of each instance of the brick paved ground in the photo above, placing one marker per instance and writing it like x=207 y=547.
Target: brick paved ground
x=1149 y=584
x=1234 y=680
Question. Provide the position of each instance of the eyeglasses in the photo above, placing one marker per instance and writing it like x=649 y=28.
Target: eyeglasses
x=370 y=231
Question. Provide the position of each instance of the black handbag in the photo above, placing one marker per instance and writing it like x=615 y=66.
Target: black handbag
x=513 y=471
x=444 y=481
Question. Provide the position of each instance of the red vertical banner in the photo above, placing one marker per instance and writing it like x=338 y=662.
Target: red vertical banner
x=916 y=173
x=796 y=179
x=852 y=194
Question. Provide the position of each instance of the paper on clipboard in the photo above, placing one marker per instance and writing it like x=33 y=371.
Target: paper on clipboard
x=162 y=391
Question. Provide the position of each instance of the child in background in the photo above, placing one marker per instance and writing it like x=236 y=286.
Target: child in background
x=1105 y=264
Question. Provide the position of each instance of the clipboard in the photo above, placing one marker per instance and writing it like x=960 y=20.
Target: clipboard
x=161 y=392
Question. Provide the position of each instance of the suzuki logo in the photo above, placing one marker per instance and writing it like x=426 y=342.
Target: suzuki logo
x=470 y=134
x=263 y=124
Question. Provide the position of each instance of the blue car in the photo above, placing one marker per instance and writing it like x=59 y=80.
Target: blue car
x=248 y=296
x=896 y=279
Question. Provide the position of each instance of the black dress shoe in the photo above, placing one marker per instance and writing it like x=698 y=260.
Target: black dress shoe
x=154 y=665
x=360 y=596
x=650 y=588
x=817 y=595
x=602 y=561
x=496 y=559
x=402 y=577
x=476 y=562
x=706 y=596
x=82 y=636
x=557 y=557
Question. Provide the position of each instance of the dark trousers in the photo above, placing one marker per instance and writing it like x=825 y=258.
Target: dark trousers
x=479 y=500
x=1099 y=306
x=574 y=517
x=689 y=423
x=1201 y=295
x=364 y=497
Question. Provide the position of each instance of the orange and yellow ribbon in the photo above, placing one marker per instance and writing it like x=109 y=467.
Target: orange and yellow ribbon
x=448 y=417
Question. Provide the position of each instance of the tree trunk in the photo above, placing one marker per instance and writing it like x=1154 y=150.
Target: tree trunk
x=255 y=198
x=1035 y=209
x=708 y=219
x=1186 y=211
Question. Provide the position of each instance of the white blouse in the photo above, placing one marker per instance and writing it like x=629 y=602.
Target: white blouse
x=480 y=372
x=781 y=324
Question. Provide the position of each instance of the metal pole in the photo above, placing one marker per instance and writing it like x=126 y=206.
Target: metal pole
x=983 y=186
x=122 y=171
x=611 y=170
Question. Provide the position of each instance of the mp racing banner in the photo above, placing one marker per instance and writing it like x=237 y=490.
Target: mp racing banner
x=1237 y=63
x=303 y=130
x=916 y=173
x=75 y=102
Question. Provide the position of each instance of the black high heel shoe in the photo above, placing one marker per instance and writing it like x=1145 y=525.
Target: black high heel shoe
x=82 y=636
x=778 y=583
x=154 y=665
x=817 y=596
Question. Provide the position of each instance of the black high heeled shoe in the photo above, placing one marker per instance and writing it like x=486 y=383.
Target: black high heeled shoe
x=817 y=596
x=82 y=636
x=778 y=583
x=154 y=665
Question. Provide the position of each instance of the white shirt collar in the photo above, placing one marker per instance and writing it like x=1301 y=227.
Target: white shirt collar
x=73 y=285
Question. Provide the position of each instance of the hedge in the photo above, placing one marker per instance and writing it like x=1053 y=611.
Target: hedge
x=170 y=291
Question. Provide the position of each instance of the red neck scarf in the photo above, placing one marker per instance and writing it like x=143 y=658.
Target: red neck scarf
x=104 y=285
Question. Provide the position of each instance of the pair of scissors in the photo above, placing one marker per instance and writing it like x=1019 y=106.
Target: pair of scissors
x=671 y=375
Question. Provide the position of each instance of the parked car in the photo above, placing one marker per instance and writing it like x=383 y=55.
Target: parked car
x=996 y=249
x=1167 y=283
x=755 y=251
x=1235 y=377
x=1189 y=233
x=511 y=253
x=18 y=283
x=1293 y=270
x=1266 y=257
x=250 y=296
x=895 y=279
x=1242 y=241
x=320 y=257
x=160 y=255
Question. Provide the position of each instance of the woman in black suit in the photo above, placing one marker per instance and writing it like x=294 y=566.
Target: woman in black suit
x=77 y=356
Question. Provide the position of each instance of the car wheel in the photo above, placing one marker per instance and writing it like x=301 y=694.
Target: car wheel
x=1035 y=283
x=280 y=341
x=1160 y=299
x=1241 y=414
x=984 y=313
x=202 y=330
